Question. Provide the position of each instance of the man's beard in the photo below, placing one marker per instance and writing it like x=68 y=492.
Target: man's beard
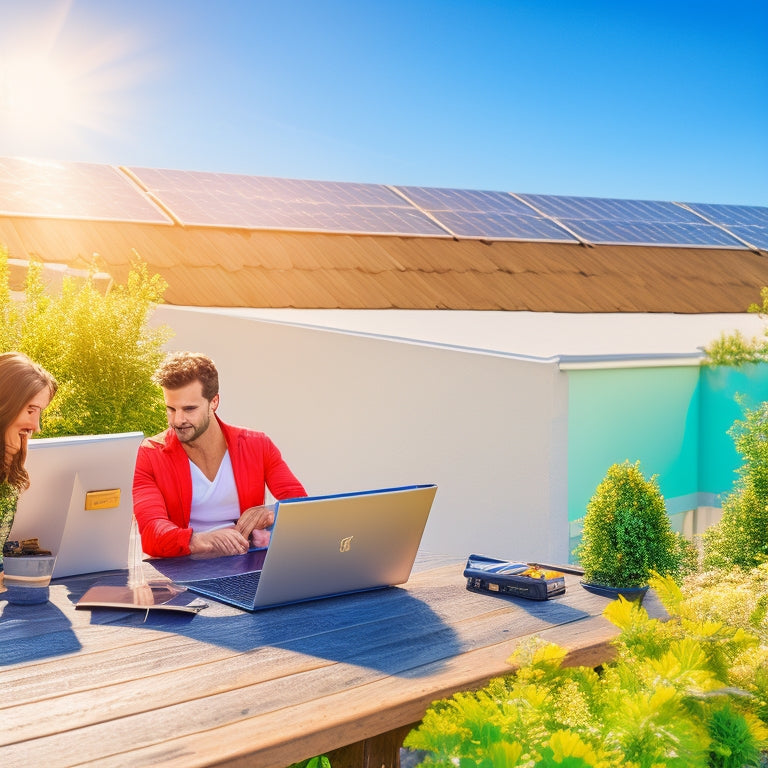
x=190 y=434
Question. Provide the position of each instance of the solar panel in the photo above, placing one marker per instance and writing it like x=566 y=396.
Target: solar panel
x=258 y=202
x=632 y=222
x=89 y=191
x=750 y=223
x=72 y=191
x=487 y=215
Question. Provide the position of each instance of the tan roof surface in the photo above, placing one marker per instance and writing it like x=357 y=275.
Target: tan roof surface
x=219 y=267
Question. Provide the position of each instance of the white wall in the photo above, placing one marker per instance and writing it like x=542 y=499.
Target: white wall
x=351 y=412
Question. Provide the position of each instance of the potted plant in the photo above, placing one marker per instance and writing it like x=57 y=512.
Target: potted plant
x=627 y=535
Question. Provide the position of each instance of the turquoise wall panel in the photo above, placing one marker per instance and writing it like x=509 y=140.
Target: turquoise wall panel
x=674 y=420
x=721 y=391
x=645 y=414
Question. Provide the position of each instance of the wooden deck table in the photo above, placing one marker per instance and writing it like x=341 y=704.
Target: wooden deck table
x=346 y=676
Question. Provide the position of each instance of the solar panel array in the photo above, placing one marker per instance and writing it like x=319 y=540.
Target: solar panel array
x=750 y=223
x=258 y=202
x=631 y=222
x=73 y=191
x=488 y=215
x=194 y=198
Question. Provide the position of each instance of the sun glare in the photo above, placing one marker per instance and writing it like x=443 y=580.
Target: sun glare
x=37 y=96
x=61 y=79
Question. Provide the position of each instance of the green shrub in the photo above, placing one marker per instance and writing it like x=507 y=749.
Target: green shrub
x=734 y=348
x=673 y=696
x=98 y=345
x=627 y=534
x=741 y=536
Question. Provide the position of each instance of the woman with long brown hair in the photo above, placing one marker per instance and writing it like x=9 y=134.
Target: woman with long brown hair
x=26 y=389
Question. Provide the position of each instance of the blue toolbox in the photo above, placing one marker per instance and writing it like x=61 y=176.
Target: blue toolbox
x=506 y=577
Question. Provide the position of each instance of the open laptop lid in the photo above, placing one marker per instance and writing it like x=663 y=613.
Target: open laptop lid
x=331 y=545
x=79 y=503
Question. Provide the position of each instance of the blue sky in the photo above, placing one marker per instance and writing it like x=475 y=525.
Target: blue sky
x=652 y=100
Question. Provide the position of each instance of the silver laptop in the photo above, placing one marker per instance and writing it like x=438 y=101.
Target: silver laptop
x=321 y=546
x=79 y=504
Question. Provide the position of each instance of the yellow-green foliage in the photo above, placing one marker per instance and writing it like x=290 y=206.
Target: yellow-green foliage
x=681 y=693
x=734 y=348
x=736 y=597
x=98 y=345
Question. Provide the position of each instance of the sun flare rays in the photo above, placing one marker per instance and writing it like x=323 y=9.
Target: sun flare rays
x=62 y=80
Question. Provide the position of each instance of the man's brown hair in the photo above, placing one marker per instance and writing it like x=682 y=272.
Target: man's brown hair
x=182 y=368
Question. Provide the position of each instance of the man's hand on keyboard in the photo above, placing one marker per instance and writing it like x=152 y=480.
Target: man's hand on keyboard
x=256 y=519
x=222 y=541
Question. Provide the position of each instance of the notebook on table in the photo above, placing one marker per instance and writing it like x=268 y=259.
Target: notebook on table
x=147 y=595
x=137 y=590
x=321 y=546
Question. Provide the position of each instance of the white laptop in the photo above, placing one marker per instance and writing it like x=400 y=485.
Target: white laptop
x=79 y=504
x=321 y=546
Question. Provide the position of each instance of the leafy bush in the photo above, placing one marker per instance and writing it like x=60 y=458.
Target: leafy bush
x=98 y=346
x=741 y=536
x=734 y=348
x=735 y=596
x=627 y=533
x=685 y=692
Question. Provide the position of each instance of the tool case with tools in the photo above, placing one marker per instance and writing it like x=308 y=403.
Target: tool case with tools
x=506 y=577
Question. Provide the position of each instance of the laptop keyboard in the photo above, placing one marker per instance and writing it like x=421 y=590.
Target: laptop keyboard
x=240 y=588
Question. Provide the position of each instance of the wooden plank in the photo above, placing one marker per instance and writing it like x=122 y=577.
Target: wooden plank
x=206 y=712
x=282 y=736
x=369 y=652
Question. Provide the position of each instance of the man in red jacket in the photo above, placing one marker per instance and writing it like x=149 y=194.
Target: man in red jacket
x=198 y=487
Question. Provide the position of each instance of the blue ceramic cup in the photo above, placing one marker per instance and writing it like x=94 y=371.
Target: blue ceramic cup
x=26 y=578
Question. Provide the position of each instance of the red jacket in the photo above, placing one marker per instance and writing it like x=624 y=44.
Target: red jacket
x=162 y=485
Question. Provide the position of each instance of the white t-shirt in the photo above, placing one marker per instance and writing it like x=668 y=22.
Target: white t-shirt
x=214 y=502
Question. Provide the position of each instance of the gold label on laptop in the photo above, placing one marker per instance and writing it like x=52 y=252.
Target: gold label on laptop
x=102 y=499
